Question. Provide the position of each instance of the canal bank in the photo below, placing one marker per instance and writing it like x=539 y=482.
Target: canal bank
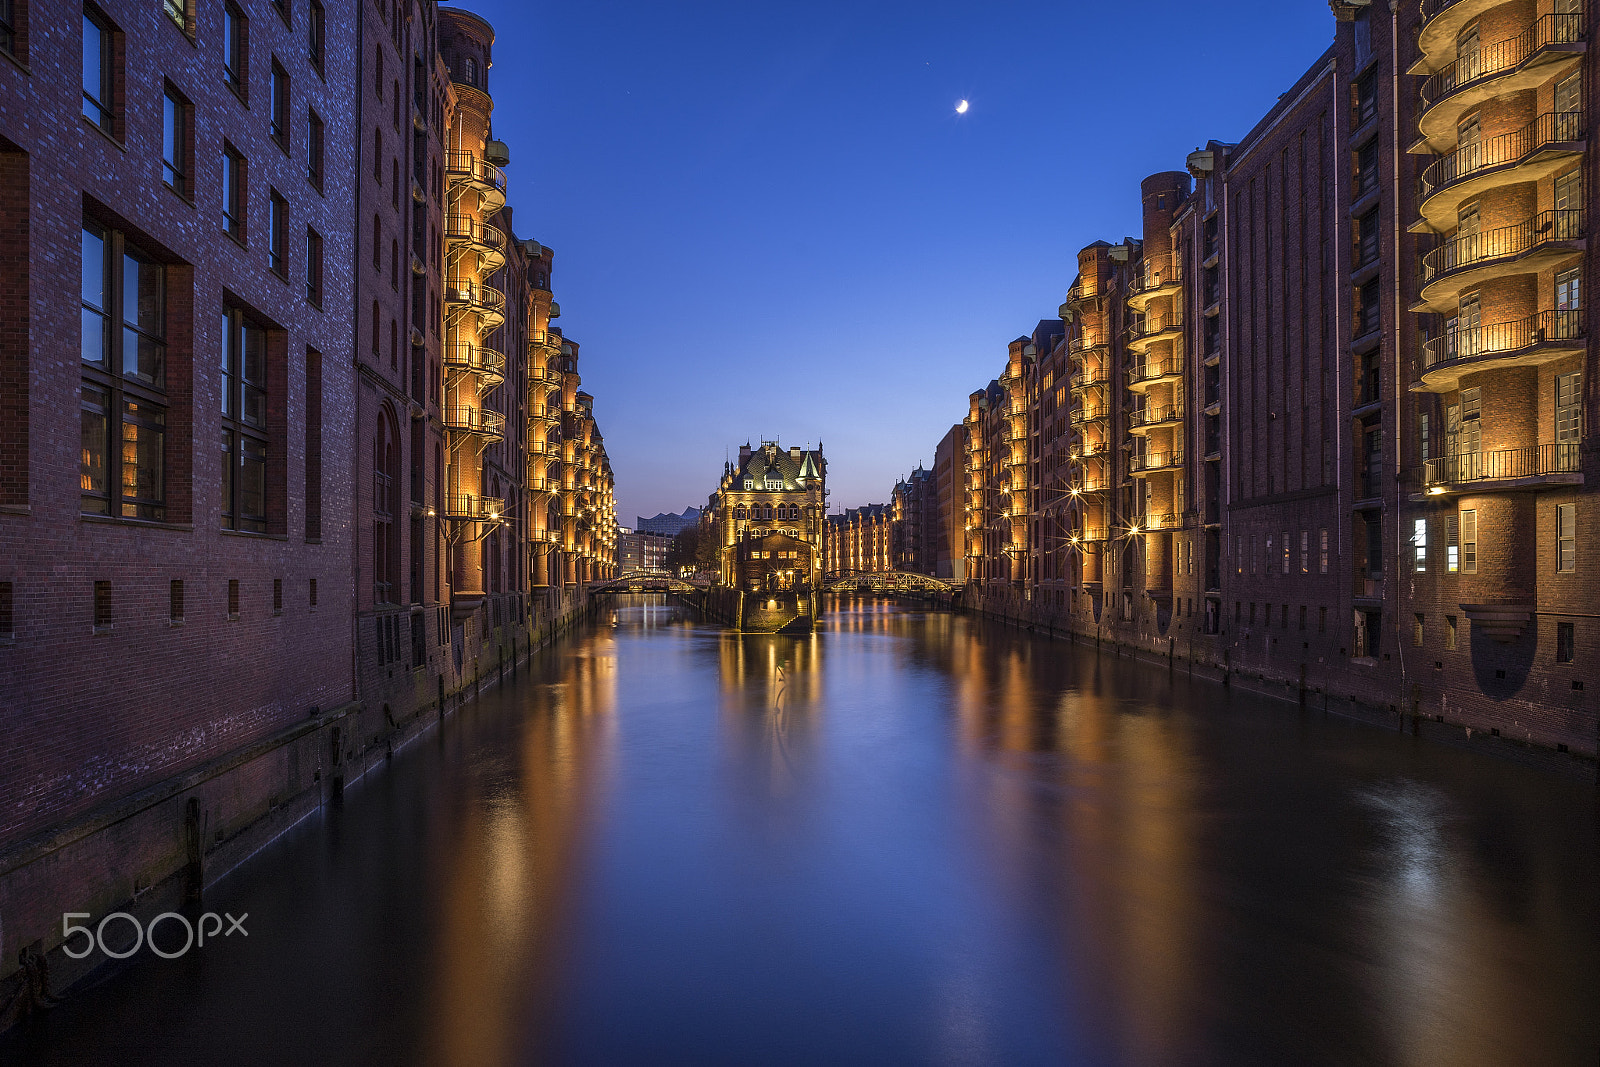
x=161 y=848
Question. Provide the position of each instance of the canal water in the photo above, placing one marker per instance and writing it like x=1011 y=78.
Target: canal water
x=911 y=838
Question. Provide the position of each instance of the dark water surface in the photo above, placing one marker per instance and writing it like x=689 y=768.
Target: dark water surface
x=911 y=838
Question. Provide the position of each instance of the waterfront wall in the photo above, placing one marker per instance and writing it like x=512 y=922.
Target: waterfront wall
x=158 y=849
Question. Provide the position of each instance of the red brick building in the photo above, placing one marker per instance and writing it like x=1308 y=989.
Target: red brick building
x=1324 y=424
x=291 y=454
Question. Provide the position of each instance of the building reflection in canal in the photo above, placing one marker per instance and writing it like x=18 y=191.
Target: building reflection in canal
x=908 y=837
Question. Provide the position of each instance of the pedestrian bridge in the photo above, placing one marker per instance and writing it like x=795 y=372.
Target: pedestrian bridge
x=647 y=582
x=889 y=582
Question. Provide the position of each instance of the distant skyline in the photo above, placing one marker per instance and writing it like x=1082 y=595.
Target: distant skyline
x=770 y=222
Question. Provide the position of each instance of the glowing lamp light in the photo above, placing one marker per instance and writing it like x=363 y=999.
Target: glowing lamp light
x=1435 y=490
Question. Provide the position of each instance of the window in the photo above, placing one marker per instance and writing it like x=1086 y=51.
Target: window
x=175 y=113
x=313 y=267
x=277 y=596
x=1569 y=420
x=8 y=42
x=1322 y=620
x=244 y=433
x=316 y=34
x=313 y=449
x=1366 y=239
x=102 y=606
x=278 y=236
x=1286 y=551
x=1305 y=552
x=233 y=598
x=233 y=193
x=1417 y=628
x=235 y=49
x=1450 y=633
x=314 y=149
x=123 y=403
x=98 y=83
x=472 y=71
x=1566 y=538
x=1419 y=545
x=312 y=593
x=1565 y=640
x=1569 y=192
x=377 y=156
x=394 y=182
x=1452 y=546
x=385 y=544
x=1322 y=559
x=1569 y=101
x=280 y=106
x=1423 y=442
x=1366 y=308
x=1569 y=298
x=1469 y=542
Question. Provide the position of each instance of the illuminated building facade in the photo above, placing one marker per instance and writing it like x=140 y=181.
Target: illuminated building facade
x=861 y=541
x=771 y=491
x=1323 y=423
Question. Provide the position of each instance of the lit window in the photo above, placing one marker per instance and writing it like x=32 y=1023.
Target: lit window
x=1469 y=542
x=1419 y=545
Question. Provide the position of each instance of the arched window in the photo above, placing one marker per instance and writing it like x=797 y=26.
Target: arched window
x=377 y=156
x=385 y=547
x=740 y=514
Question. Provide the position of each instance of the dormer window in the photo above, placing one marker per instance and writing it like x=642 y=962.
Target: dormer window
x=749 y=483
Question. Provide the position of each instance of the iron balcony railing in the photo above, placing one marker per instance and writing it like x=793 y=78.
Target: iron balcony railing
x=1496 y=59
x=1145 y=327
x=474 y=508
x=1502 y=338
x=1089 y=379
x=1556 y=127
x=1507 y=241
x=466 y=419
x=1154 y=416
x=475 y=295
x=1092 y=533
x=1152 y=369
x=475 y=359
x=1149 y=279
x=1503 y=464
x=466 y=167
x=464 y=229
x=1162 y=522
x=1155 y=461
x=1083 y=416
x=1083 y=344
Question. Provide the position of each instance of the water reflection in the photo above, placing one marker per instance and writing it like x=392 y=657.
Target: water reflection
x=909 y=837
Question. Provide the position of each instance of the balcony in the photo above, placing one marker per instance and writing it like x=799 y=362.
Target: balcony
x=1522 y=343
x=1142 y=376
x=484 y=302
x=1464 y=263
x=1536 y=151
x=463 y=233
x=1155 y=462
x=1089 y=535
x=465 y=170
x=480 y=422
x=1162 y=522
x=1090 y=379
x=1547 y=48
x=544 y=415
x=1155 y=417
x=1506 y=470
x=1142 y=335
x=1152 y=286
x=1086 y=416
x=486 y=363
x=545 y=342
x=1081 y=345
x=464 y=507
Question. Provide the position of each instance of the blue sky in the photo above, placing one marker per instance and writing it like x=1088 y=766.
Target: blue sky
x=769 y=221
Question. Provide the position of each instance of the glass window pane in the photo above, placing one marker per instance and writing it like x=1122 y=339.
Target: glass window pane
x=143 y=445
x=94 y=268
x=252 y=485
x=227 y=476
x=142 y=295
x=94 y=337
x=93 y=459
x=93 y=81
